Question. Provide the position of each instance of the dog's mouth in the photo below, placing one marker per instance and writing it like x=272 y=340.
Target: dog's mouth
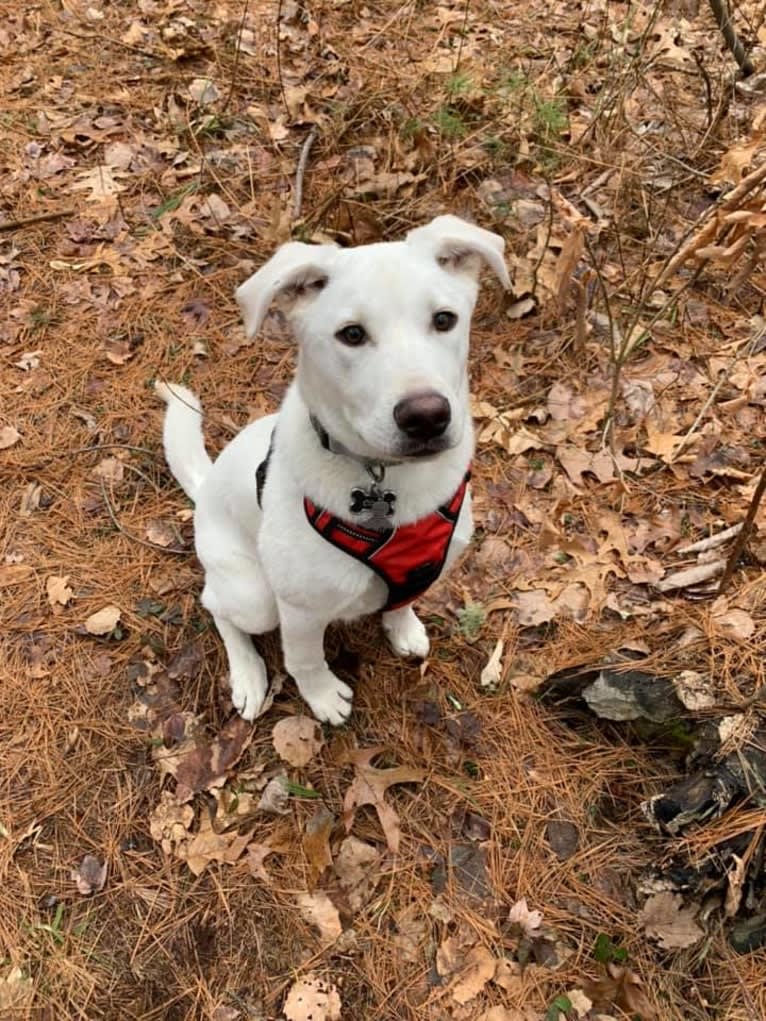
x=424 y=450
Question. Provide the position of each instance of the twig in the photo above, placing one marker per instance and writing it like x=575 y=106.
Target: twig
x=237 y=52
x=300 y=173
x=702 y=545
x=744 y=535
x=706 y=222
x=690 y=576
x=26 y=221
x=136 y=538
x=279 y=60
x=720 y=9
x=713 y=393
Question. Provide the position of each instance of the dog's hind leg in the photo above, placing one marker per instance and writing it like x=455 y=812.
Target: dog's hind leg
x=406 y=632
x=247 y=671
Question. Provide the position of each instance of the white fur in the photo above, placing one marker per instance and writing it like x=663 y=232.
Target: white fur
x=268 y=568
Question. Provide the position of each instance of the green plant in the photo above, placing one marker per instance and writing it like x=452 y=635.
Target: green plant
x=560 y=1005
x=450 y=123
x=607 y=952
x=471 y=620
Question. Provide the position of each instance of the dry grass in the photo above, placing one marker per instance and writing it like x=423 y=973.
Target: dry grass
x=455 y=95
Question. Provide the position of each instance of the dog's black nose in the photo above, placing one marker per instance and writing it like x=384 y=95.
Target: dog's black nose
x=423 y=416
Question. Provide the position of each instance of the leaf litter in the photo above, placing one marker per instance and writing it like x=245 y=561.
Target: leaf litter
x=166 y=217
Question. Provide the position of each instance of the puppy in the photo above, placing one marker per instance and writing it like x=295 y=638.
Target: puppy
x=354 y=497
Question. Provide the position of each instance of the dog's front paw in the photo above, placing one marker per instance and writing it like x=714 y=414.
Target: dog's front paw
x=406 y=633
x=248 y=691
x=328 y=697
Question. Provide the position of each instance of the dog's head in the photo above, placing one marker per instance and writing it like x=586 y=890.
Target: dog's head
x=383 y=331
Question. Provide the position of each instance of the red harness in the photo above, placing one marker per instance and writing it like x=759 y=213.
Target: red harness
x=409 y=559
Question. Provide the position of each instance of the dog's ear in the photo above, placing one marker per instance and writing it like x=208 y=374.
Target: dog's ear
x=461 y=246
x=294 y=271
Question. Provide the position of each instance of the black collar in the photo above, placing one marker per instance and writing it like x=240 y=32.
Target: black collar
x=374 y=467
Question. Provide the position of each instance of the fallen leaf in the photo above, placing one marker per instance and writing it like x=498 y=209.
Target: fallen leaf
x=665 y=919
x=623 y=989
x=256 y=856
x=199 y=763
x=275 y=797
x=369 y=787
x=356 y=867
x=170 y=821
x=478 y=969
x=316 y=844
x=203 y=91
x=533 y=608
x=527 y=921
x=30 y=500
x=101 y=183
x=90 y=876
x=297 y=739
x=694 y=690
x=206 y=845
x=734 y=624
x=312 y=999
x=58 y=591
x=492 y=671
x=104 y=621
x=411 y=935
x=563 y=837
x=8 y=436
x=163 y=533
x=579 y=1001
x=319 y=911
x=16 y=992
x=110 y=469
x=735 y=880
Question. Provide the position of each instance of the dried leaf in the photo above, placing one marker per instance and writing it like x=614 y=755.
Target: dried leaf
x=319 y=910
x=203 y=91
x=206 y=845
x=312 y=999
x=623 y=989
x=666 y=919
x=58 y=591
x=104 y=621
x=733 y=624
x=170 y=821
x=356 y=868
x=8 y=436
x=200 y=764
x=297 y=739
x=533 y=608
x=163 y=533
x=527 y=921
x=275 y=797
x=316 y=844
x=735 y=880
x=90 y=876
x=101 y=183
x=492 y=671
x=478 y=969
x=16 y=992
x=110 y=469
x=256 y=856
x=369 y=788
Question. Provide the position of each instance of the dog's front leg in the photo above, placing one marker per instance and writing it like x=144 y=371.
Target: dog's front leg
x=406 y=632
x=303 y=650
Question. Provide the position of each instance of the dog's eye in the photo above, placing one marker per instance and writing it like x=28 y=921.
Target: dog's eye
x=352 y=335
x=444 y=321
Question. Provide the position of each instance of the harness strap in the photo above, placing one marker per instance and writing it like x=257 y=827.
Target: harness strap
x=408 y=559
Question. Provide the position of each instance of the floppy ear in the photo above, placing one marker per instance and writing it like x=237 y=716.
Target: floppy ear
x=459 y=245
x=294 y=271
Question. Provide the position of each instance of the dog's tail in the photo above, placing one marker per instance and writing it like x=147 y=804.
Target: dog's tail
x=182 y=435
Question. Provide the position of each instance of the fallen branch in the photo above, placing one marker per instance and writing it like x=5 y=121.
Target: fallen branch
x=703 y=545
x=744 y=535
x=690 y=576
x=301 y=171
x=27 y=221
x=705 y=228
x=720 y=9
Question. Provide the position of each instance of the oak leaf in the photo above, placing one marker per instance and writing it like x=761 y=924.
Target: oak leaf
x=369 y=788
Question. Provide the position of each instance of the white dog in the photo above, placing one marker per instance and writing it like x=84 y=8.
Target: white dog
x=353 y=498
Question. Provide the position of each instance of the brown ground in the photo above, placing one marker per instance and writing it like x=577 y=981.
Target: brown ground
x=164 y=195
